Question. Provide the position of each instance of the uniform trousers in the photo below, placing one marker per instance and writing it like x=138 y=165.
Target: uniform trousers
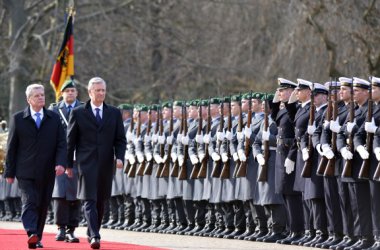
x=375 y=202
x=179 y=211
x=66 y=213
x=345 y=207
x=361 y=208
x=307 y=215
x=319 y=214
x=333 y=211
x=259 y=217
x=93 y=212
x=294 y=211
x=277 y=217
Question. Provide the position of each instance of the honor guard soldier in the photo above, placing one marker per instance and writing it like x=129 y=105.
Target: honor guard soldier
x=359 y=191
x=285 y=174
x=66 y=205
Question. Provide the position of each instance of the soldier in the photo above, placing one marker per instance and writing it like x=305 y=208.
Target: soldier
x=129 y=212
x=314 y=185
x=372 y=127
x=283 y=108
x=359 y=191
x=265 y=193
x=66 y=205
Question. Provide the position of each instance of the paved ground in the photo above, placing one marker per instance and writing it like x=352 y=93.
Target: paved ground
x=167 y=241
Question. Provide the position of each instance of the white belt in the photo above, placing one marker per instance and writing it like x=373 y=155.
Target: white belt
x=270 y=148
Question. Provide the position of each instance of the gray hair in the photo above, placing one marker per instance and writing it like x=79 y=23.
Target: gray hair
x=31 y=87
x=95 y=80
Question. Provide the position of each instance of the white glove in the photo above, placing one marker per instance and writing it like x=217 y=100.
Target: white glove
x=239 y=136
x=241 y=155
x=346 y=154
x=130 y=136
x=201 y=156
x=215 y=156
x=350 y=126
x=311 y=129
x=165 y=158
x=370 y=127
x=235 y=156
x=305 y=154
x=173 y=156
x=148 y=156
x=326 y=123
x=147 y=138
x=247 y=132
x=194 y=159
x=276 y=97
x=158 y=159
x=185 y=140
x=229 y=135
x=362 y=152
x=136 y=140
x=199 y=139
x=206 y=138
x=161 y=139
x=327 y=151
x=289 y=166
x=377 y=153
x=181 y=160
x=132 y=159
x=319 y=149
x=293 y=97
x=140 y=157
x=260 y=159
x=220 y=136
x=169 y=139
x=265 y=135
x=154 y=138
x=224 y=157
x=179 y=137
x=334 y=125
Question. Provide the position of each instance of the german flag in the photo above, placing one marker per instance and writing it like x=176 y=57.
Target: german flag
x=64 y=66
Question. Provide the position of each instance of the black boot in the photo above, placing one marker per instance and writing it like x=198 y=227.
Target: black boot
x=248 y=232
x=365 y=242
x=70 y=236
x=294 y=236
x=61 y=233
x=347 y=242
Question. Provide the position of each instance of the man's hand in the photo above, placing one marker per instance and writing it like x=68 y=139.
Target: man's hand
x=59 y=170
x=265 y=135
x=305 y=154
x=119 y=163
x=260 y=159
x=334 y=125
x=69 y=172
x=311 y=129
x=10 y=180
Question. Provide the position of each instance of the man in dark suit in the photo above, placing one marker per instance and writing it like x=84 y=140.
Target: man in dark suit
x=66 y=206
x=96 y=132
x=36 y=152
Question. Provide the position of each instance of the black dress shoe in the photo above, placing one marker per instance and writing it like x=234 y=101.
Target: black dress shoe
x=364 y=244
x=236 y=232
x=248 y=232
x=179 y=228
x=375 y=246
x=261 y=239
x=211 y=234
x=227 y=231
x=295 y=236
x=136 y=224
x=196 y=229
x=32 y=241
x=256 y=235
x=171 y=227
x=346 y=243
x=118 y=224
x=127 y=223
x=335 y=241
x=274 y=237
x=187 y=229
x=321 y=239
x=39 y=245
x=70 y=237
x=329 y=239
x=143 y=226
x=95 y=243
x=308 y=236
x=61 y=234
x=208 y=228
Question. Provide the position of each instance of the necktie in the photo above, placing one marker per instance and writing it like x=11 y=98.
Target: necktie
x=97 y=116
x=38 y=119
x=69 y=109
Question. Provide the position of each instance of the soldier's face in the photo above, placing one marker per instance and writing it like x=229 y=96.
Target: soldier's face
x=320 y=99
x=126 y=115
x=256 y=105
x=235 y=109
x=284 y=94
x=376 y=93
x=177 y=112
x=303 y=95
x=193 y=112
x=214 y=110
x=37 y=99
x=244 y=105
x=153 y=115
x=70 y=95
x=345 y=93
x=204 y=112
x=166 y=113
x=97 y=93
x=360 y=95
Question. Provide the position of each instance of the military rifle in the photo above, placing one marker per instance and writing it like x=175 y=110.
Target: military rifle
x=263 y=174
x=196 y=167
x=323 y=162
x=148 y=164
x=141 y=168
x=308 y=166
x=162 y=146
x=364 y=169
x=242 y=168
x=217 y=164
x=347 y=169
x=131 y=127
x=225 y=173
x=175 y=169
x=166 y=169
x=203 y=170
x=182 y=175
x=132 y=170
x=330 y=167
